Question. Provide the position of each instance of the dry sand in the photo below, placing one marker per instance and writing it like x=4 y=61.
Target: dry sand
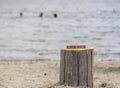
x=45 y=74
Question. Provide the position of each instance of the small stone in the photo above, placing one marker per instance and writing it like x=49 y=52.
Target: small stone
x=103 y=84
x=65 y=84
x=45 y=74
x=118 y=67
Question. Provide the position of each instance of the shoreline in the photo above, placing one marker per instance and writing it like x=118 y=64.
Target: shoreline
x=43 y=73
x=48 y=59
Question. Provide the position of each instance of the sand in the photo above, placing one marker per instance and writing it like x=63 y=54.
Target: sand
x=45 y=74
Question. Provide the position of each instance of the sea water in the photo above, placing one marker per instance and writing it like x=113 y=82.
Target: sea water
x=95 y=23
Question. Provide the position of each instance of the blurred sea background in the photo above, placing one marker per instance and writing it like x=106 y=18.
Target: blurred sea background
x=95 y=23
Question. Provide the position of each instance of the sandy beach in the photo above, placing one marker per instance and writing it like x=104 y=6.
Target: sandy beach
x=45 y=74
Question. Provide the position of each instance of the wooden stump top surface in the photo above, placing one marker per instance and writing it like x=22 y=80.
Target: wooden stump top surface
x=76 y=48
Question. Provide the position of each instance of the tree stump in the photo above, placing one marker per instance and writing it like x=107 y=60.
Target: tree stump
x=76 y=66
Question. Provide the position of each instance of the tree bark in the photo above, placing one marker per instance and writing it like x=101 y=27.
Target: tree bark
x=76 y=66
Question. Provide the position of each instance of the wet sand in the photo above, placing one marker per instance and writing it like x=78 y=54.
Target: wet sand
x=45 y=74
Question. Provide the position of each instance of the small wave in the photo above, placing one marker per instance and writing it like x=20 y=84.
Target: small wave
x=96 y=39
x=117 y=53
x=38 y=40
x=78 y=37
x=3 y=45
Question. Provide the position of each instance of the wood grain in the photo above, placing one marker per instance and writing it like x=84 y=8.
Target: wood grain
x=76 y=67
